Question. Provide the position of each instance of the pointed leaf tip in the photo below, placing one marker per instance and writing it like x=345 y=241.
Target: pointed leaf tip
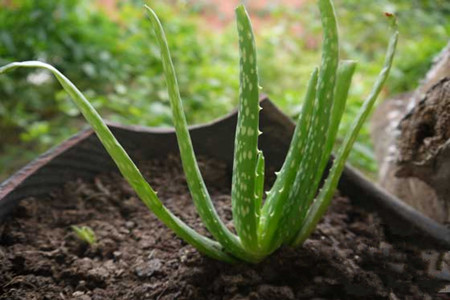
x=240 y=7
x=392 y=19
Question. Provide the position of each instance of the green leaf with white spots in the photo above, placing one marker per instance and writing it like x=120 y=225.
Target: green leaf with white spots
x=272 y=210
x=126 y=165
x=323 y=200
x=245 y=215
x=259 y=183
x=199 y=192
x=345 y=73
x=308 y=172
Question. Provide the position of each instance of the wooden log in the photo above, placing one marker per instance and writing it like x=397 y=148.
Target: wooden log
x=424 y=144
x=411 y=137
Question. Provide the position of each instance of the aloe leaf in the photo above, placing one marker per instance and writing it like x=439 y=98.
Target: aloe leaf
x=308 y=171
x=345 y=73
x=270 y=216
x=259 y=182
x=243 y=196
x=320 y=205
x=127 y=167
x=194 y=178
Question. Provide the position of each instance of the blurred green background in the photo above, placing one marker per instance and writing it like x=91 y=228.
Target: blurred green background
x=107 y=49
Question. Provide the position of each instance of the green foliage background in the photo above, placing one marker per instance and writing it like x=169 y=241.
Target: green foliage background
x=115 y=61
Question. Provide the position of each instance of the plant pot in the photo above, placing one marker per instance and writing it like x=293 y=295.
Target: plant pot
x=82 y=156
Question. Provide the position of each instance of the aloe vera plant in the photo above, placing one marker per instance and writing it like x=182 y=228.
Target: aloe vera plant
x=292 y=208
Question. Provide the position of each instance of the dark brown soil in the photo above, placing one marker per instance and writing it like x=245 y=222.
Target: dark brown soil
x=137 y=257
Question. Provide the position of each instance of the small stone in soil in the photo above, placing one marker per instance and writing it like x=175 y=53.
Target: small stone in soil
x=147 y=269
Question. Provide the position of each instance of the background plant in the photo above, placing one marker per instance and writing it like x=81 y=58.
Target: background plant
x=291 y=209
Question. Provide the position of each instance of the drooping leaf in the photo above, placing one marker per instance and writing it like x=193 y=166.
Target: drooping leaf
x=126 y=165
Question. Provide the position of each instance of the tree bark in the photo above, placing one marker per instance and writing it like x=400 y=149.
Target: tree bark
x=412 y=143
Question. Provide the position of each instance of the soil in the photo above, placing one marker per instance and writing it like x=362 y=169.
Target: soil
x=137 y=257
